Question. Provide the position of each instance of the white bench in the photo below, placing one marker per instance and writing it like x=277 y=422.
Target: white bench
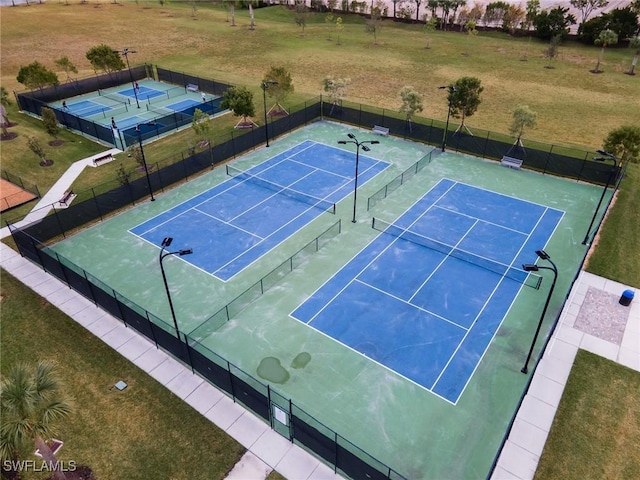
x=511 y=162
x=384 y=131
x=192 y=87
x=104 y=158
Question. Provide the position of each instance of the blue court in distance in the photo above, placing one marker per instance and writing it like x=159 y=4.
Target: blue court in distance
x=426 y=297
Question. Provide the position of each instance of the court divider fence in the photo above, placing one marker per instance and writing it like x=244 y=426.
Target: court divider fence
x=283 y=416
x=235 y=306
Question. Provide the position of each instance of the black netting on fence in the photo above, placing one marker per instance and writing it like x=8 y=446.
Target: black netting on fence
x=210 y=86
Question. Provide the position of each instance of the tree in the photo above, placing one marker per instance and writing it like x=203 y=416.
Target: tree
x=240 y=101
x=513 y=17
x=35 y=147
x=470 y=27
x=532 y=10
x=418 y=3
x=35 y=75
x=411 y=104
x=4 y=97
x=586 y=7
x=279 y=90
x=103 y=57
x=329 y=20
x=552 y=50
x=201 y=126
x=339 y=28
x=553 y=22
x=634 y=43
x=429 y=28
x=50 y=123
x=523 y=117
x=331 y=5
x=32 y=407
x=464 y=98
x=606 y=37
x=66 y=66
x=336 y=88
x=302 y=12
x=374 y=24
x=624 y=143
x=494 y=12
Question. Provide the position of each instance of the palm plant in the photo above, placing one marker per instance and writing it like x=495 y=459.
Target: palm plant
x=606 y=37
x=31 y=408
x=634 y=43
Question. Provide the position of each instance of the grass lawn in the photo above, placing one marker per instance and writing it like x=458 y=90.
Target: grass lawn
x=596 y=431
x=144 y=431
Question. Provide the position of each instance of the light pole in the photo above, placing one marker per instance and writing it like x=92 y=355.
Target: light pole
x=144 y=161
x=451 y=89
x=266 y=84
x=607 y=156
x=528 y=267
x=358 y=144
x=166 y=242
x=125 y=53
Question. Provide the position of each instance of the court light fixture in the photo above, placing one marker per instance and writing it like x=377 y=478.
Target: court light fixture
x=607 y=156
x=144 y=160
x=364 y=147
x=166 y=242
x=125 y=53
x=451 y=90
x=266 y=84
x=531 y=267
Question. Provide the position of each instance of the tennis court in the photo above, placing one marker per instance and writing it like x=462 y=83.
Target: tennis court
x=235 y=223
x=143 y=107
x=423 y=377
x=426 y=296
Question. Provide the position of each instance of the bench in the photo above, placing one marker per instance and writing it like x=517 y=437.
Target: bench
x=192 y=87
x=66 y=198
x=511 y=162
x=104 y=158
x=384 y=131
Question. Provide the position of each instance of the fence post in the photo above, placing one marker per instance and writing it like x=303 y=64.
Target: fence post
x=548 y=160
x=97 y=204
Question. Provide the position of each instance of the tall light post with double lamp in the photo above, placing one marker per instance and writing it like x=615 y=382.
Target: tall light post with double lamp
x=607 y=156
x=125 y=53
x=364 y=147
x=144 y=161
x=530 y=267
x=166 y=242
x=266 y=84
x=451 y=89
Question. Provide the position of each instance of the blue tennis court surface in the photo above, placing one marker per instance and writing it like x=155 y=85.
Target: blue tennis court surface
x=143 y=93
x=235 y=223
x=86 y=108
x=426 y=297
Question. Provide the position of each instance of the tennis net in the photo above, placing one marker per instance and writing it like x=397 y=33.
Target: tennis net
x=161 y=110
x=274 y=187
x=509 y=271
x=115 y=97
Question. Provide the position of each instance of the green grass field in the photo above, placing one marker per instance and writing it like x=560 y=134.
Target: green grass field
x=596 y=430
x=144 y=431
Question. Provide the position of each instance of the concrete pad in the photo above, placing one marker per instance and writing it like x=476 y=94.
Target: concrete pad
x=247 y=429
x=536 y=412
x=204 y=397
x=224 y=413
x=118 y=336
x=569 y=335
x=561 y=350
x=297 y=463
x=501 y=474
x=271 y=447
x=62 y=296
x=554 y=369
x=166 y=371
x=135 y=347
x=75 y=304
x=105 y=324
x=184 y=383
x=151 y=359
x=600 y=347
x=323 y=472
x=629 y=358
x=518 y=462
x=547 y=390
x=89 y=315
x=249 y=467
x=528 y=436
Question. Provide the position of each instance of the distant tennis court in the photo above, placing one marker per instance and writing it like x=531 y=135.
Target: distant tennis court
x=235 y=223
x=426 y=296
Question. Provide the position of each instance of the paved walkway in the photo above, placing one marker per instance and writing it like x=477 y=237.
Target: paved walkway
x=592 y=320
